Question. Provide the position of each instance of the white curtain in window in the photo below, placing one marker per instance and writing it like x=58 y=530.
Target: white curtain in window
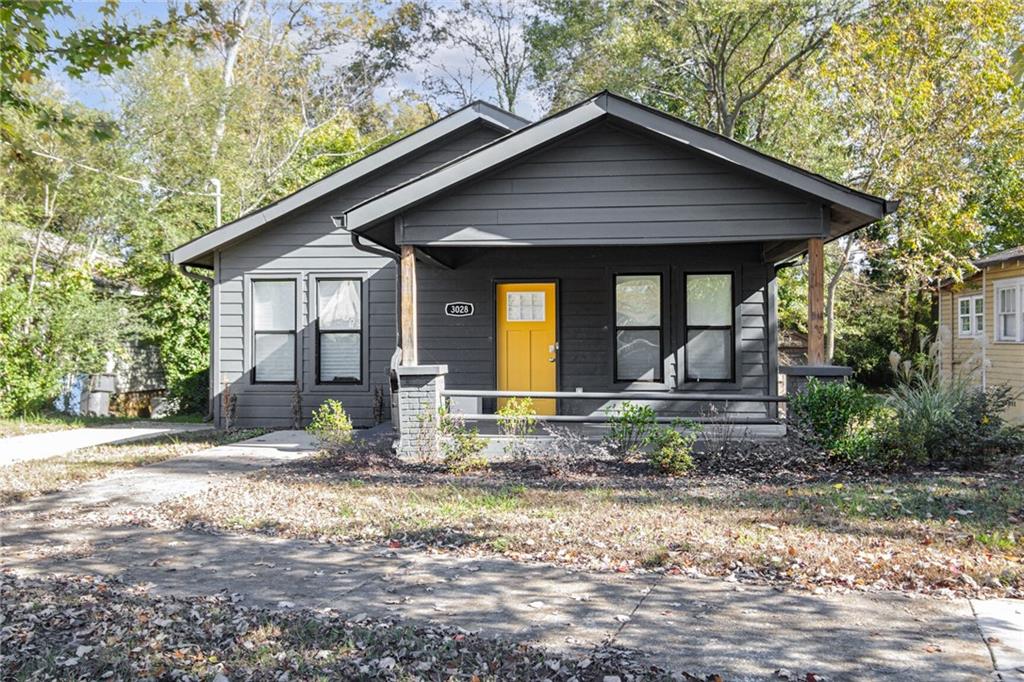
x=338 y=304
x=709 y=354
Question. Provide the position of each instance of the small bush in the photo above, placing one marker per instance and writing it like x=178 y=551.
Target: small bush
x=517 y=419
x=460 y=446
x=834 y=413
x=629 y=429
x=331 y=424
x=671 y=447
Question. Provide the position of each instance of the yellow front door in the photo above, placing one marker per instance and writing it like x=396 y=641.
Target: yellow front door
x=527 y=350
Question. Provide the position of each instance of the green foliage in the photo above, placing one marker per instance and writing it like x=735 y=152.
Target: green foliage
x=517 y=419
x=331 y=424
x=461 y=447
x=832 y=410
x=671 y=447
x=629 y=427
x=947 y=420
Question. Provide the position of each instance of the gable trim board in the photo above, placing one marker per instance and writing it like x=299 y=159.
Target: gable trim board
x=199 y=251
x=845 y=209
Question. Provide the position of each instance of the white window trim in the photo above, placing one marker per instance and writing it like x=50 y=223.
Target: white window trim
x=1017 y=285
x=972 y=315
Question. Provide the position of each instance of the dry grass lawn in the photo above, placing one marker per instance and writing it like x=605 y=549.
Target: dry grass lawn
x=945 y=533
x=23 y=480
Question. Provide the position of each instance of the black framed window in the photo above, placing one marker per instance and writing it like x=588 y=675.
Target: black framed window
x=710 y=340
x=638 y=327
x=273 y=331
x=339 y=330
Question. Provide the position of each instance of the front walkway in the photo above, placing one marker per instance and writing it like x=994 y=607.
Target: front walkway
x=739 y=631
x=54 y=443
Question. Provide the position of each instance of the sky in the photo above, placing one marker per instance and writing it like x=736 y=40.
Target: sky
x=97 y=91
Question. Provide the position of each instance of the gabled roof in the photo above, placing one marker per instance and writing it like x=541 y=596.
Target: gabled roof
x=851 y=209
x=199 y=251
x=1000 y=257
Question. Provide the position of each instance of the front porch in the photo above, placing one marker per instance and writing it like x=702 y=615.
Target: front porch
x=707 y=351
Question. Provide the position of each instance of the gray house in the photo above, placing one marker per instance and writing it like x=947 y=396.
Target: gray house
x=607 y=252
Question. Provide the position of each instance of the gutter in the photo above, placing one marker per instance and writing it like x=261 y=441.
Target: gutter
x=378 y=250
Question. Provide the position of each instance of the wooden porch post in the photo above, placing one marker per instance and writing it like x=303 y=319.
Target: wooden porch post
x=409 y=342
x=815 y=302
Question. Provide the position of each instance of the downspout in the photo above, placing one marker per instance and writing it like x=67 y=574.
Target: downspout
x=357 y=242
x=984 y=341
x=213 y=374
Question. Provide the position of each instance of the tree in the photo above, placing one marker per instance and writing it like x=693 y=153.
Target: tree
x=30 y=46
x=492 y=32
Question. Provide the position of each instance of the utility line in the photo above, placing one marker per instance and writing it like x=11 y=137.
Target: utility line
x=142 y=183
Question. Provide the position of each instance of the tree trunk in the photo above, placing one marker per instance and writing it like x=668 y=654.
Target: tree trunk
x=830 y=304
x=232 y=45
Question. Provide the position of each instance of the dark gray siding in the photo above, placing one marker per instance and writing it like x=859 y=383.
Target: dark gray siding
x=304 y=245
x=585 y=316
x=610 y=185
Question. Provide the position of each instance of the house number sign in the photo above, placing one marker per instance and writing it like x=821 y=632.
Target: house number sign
x=458 y=309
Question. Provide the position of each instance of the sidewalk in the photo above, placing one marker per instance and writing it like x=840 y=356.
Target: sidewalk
x=744 y=632
x=53 y=443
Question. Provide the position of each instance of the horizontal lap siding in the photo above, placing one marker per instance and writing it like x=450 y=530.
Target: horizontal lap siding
x=307 y=243
x=606 y=184
x=584 y=275
x=1004 y=360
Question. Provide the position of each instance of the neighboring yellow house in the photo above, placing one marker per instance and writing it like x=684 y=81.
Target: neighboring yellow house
x=981 y=323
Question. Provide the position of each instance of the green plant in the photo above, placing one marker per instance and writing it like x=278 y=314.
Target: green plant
x=671 y=447
x=461 y=447
x=629 y=428
x=517 y=419
x=331 y=424
x=947 y=419
x=832 y=410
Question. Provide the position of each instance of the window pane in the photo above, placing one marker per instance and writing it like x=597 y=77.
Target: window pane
x=274 y=357
x=965 y=323
x=524 y=306
x=638 y=301
x=709 y=354
x=273 y=305
x=709 y=300
x=639 y=356
x=1007 y=300
x=965 y=306
x=340 y=357
x=338 y=303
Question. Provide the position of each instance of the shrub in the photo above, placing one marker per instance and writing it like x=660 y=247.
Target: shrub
x=517 y=419
x=331 y=424
x=629 y=428
x=671 y=447
x=461 y=447
x=834 y=413
x=941 y=419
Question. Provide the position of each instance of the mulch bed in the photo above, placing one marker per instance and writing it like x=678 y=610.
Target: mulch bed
x=91 y=628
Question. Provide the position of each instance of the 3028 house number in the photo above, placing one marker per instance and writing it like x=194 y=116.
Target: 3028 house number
x=458 y=309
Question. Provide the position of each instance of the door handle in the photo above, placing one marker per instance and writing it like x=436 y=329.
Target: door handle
x=551 y=359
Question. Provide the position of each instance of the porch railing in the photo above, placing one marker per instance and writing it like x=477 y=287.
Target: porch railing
x=639 y=396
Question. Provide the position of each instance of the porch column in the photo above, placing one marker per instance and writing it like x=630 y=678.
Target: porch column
x=409 y=341
x=815 y=302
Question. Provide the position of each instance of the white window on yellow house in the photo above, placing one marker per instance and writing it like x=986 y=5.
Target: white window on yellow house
x=971 y=315
x=1009 y=318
